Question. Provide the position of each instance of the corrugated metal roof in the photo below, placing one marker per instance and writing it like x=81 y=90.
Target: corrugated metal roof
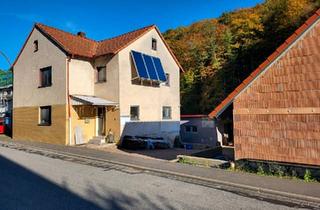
x=91 y=100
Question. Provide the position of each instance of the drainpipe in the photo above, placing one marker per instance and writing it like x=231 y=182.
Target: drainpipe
x=68 y=102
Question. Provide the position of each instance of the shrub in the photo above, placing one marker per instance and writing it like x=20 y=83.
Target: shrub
x=280 y=171
x=308 y=176
x=260 y=170
x=294 y=174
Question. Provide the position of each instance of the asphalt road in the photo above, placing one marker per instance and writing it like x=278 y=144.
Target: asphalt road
x=31 y=181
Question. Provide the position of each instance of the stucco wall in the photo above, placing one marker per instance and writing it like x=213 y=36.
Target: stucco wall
x=150 y=99
x=81 y=74
x=276 y=118
x=27 y=70
x=109 y=89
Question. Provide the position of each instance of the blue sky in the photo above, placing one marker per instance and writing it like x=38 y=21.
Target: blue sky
x=101 y=19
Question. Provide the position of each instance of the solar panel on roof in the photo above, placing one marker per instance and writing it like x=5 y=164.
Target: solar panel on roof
x=140 y=65
x=159 y=69
x=150 y=67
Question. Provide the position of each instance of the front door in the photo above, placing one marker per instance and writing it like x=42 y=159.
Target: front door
x=101 y=121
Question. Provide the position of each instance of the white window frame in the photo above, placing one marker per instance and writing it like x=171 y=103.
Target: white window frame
x=170 y=113
x=49 y=115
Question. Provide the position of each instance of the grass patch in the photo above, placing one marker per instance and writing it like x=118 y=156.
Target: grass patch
x=185 y=160
x=277 y=170
x=193 y=162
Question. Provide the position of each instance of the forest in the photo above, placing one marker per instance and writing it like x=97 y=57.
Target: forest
x=217 y=54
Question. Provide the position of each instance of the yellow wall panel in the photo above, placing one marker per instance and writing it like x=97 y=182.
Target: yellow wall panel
x=26 y=120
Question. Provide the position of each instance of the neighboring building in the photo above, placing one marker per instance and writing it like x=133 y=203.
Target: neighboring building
x=199 y=130
x=5 y=94
x=69 y=89
x=6 y=100
x=276 y=110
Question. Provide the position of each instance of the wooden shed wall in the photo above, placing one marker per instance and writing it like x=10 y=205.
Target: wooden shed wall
x=277 y=118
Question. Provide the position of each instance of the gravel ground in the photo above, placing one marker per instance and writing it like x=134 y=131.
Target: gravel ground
x=30 y=181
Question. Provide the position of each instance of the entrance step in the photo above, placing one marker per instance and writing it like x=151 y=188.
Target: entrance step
x=98 y=140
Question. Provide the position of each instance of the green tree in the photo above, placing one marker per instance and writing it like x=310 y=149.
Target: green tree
x=217 y=54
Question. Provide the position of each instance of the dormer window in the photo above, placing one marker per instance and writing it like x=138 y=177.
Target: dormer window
x=154 y=44
x=35 y=46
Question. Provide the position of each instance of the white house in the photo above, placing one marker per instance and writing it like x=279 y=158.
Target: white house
x=69 y=89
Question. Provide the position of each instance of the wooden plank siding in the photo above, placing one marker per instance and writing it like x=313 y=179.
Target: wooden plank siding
x=277 y=118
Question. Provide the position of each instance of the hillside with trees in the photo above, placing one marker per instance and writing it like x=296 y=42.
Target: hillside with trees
x=217 y=54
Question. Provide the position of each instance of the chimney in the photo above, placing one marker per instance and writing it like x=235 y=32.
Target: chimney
x=81 y=34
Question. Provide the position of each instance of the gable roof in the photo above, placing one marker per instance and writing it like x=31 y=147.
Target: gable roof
x=264 y=66
x=84 y=47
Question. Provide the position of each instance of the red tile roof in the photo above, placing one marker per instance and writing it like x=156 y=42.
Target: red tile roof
x=115 y=44
x=227 y=101
x=84 y=47
x=73 y=44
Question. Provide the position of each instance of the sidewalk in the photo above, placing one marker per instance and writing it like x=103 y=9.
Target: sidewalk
x=283 y=187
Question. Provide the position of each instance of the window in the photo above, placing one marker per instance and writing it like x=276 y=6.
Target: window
x=191 y=129
x=35 y=46
x=134 y=113
x=46 y=77
x=166 y=112
x=102 y=74
x=167 y=79
x=154 y=44
x=45 y=115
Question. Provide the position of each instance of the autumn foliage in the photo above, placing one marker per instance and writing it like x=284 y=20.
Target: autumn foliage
x=217 y=54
